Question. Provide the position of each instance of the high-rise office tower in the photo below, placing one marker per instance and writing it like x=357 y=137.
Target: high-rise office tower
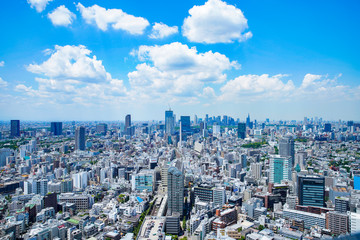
x=185 y=123
x=241 y=130
x=248 y=120
x=175 y=190
x=280 y=168
x=195 y=120
x=15 y=128
x=128 y=130
x=169 y=122
x=311 y=190
x=287 y=148
x=80 y=138
x=327 y=127
x=56 y=128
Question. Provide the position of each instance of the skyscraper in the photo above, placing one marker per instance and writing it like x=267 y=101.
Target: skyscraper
x=175 y=190
x=311 y=190
x=127 y=128
x=327 y=127
x=305 y=120
x=15 y=128
x=248 y=120
x=280 y=168
x=287 y=148
x=56 y=128
x=80 y=138
x=241 y=130
x=185 y=123
x=169 y=122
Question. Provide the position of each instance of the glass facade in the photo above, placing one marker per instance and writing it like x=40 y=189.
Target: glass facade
x=311 y=191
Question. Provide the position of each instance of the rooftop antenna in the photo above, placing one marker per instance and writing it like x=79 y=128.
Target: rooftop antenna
x=169 y=107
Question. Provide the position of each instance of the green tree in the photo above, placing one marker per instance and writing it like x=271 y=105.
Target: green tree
x=261 y=227
x=276 y=150
x=184 y=223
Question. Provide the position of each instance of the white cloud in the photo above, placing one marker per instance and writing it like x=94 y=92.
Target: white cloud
x=72 y=62
x=309 y=80
x=215 y=22
x=321 y=87
x=28 y=90
x=39 y=5
x=161 y=30
x=61 y=16
x=2 y=63
x=177 y=70
x=209 y=92
x=73 y=75
x=115 y=17
x=268 y=88
x=3 y=83
x=255 y=87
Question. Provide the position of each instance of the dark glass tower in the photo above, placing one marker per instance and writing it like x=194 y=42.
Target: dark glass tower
x=241 y=130
x=56 y=128
x=327 y=127
x=80 y=138
x=15 y=128
x=311 y=191
x=127 y=128
x=185 y=123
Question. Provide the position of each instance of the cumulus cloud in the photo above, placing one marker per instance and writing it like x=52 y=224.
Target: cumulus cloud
x=215 y=22
x=309 y=80
x=177 y=70
x=2 y=63
x=266 y=87
x=3 y=83
x=116 y=18
x=161 y=30
x=208 y=92
x=320 y=87
x=61 y=16
x=172 y=73
x=254 y=87
x=39 y=5
x=71 y=74
x=72 y=62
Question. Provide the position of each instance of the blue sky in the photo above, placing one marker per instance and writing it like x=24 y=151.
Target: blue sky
x=99 y=60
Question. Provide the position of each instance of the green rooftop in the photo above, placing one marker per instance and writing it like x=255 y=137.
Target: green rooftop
x=73 y=221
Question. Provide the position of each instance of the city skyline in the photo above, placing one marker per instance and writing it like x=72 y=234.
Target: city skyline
x=68 y=61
